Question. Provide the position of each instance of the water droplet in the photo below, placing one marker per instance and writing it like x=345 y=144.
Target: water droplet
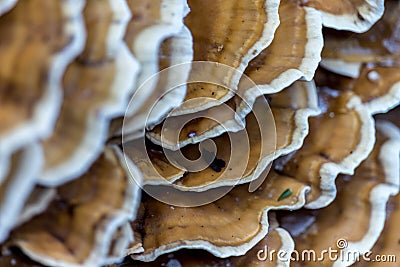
x=295 y=199
x=373 y=76
x=173 y=263
x=191 y=134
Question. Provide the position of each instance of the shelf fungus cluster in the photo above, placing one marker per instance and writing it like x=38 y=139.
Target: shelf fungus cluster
x=199 y=133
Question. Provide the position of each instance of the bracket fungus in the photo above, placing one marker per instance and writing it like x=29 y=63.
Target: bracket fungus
x=230 y=117
x=345 y=52
x=286 y=60
x=79 y=225
x=361 y=201
x=46 y=53
x=37 y=202
x=290 y=108
x=154 y=21
x=277 y=239
x=164 y=229
x=388 y=241
x=377 y=86
x=191 y=132
x=267 y=73
x=120 y=241
x=99 y=82
x=338 y=140
x=245 y=29
x=169 y=87
x=16 y=185
x=353 y=15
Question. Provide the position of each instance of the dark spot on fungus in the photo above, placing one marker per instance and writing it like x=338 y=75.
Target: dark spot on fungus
x=360 y=17
x=322 y=154
x=153 y=147
x=217 y=165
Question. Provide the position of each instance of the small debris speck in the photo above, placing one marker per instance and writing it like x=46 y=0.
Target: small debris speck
x=285 y=194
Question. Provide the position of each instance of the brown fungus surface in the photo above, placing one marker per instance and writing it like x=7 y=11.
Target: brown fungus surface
x=378 y=86
x=275 y=68
x=68 y=68
x=230 y=33
x=152 y=23
x=30 y=88
x=120 y=241
x=78 y=226
x=338 y=140
x=361 y=201
x=16 y=185
x=290 y=108
x=98 y=82
x=169 y=89
x=171 y=44
x=277 y=239
x=267 y=73
x=36 y=203
x=352 y=15
x=229 y=226
x=378 y=44
x=286 y=60
x=386 y=249
x=300 y=96
x=346 y=53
